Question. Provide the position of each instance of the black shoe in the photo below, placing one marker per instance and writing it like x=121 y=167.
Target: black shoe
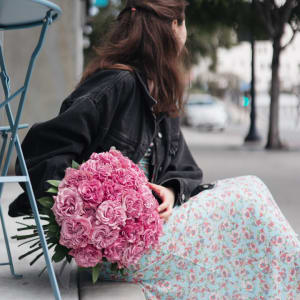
x=20 y=207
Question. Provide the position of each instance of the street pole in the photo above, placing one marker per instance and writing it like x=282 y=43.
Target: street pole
x=253 y=135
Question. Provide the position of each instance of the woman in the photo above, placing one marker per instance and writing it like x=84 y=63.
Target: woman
x=227 y=240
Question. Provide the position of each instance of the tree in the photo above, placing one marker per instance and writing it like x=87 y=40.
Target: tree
x=276 y=14
x=234 y=14
x=211 y=25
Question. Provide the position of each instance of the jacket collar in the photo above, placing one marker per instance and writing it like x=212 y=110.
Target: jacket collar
x=143 y=81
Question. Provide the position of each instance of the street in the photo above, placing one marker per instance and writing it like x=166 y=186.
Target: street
x=224 y=154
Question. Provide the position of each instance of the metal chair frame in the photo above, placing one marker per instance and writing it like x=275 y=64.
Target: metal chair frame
x=14 y=142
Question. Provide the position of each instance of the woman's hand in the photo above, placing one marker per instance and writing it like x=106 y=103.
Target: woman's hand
x=167 y=196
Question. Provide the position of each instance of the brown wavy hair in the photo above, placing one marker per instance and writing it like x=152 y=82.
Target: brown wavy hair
x=143 y=40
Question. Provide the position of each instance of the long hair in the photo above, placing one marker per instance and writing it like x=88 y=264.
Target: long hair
x=142 y=39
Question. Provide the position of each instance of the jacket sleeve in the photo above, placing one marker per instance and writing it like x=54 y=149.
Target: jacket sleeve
x=182 y=174
x=85 y=117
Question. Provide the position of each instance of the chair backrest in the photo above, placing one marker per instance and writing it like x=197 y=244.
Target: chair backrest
x=25 y=13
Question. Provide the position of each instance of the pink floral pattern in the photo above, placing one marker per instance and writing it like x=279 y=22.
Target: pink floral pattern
x=228 y=243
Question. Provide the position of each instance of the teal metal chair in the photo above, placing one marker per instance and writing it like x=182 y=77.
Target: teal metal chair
x=15 y=15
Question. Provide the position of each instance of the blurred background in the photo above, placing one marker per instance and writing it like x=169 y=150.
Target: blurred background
x=242 y=112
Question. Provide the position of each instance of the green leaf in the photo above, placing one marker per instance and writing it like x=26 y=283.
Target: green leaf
x=26 y=228
x=38 y=256
x=37 y=238
x=122 y=271
x=75 y=165
x=53 y=235
x=26 y=225
x=58 y=256
x=30 y=252
x=53 y=228
x=44 y=218
x=60 y=253
x=96 y=273
x=54 y=183
x=23 y=237
x=52 y=190
x=39 y=243
x=43 y=270
x=46 y=202
x=114 y=267
x=53 y=240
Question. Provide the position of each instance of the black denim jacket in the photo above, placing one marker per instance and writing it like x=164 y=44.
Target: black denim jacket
x=111 y=108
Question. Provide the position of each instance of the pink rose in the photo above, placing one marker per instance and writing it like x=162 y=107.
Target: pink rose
x=150 y=202
x=103 y=236
x=98 y=170
x=111 y=213
x=126 y=178
x=75 y=232
x=154 y=224
x=133 y=203
x=132 y=230
x=124 y=162
x=150 y=237
x=67 y=204
x=87 y=257
x=114 y=252
x=73 y=177
x=112 y=191
x=91 y=192
x=90 y=213
x=132 y=253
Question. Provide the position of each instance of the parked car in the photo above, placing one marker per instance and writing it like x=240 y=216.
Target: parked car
x=206 y=111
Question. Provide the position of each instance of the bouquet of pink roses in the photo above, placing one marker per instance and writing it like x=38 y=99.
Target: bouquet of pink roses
x=102 y=210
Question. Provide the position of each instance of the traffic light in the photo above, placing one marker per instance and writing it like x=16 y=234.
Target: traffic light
x=93 y=6
x=246 y=99
x=100 y=3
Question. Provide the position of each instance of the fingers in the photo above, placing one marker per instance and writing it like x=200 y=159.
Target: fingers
x=161 y=193
x=165 y=209
x=166 y=214
x=163 y=206
x=158 y=189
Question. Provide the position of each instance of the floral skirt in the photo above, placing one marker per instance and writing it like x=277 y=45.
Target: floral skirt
x=230 y=242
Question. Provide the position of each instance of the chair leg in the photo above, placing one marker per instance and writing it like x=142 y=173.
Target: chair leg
x=36 y=215
x=10 y=261
x=4 y=138
x=50 y=268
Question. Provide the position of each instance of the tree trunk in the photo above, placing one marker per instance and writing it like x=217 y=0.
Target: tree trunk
x=273 y=134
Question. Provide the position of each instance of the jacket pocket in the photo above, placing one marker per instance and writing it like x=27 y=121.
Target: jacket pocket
x=120 y=142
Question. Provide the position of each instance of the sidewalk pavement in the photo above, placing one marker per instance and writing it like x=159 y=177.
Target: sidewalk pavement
x=220 y=155
x=73 y=285
x=30 y=286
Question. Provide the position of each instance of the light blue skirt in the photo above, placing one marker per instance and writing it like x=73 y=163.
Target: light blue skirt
x=230 y=242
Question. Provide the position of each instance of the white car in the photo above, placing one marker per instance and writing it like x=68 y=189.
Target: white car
x=206 y=111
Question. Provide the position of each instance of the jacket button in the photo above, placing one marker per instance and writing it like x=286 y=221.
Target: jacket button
x=160 y=169
x=160 y=135
x=183 y=197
